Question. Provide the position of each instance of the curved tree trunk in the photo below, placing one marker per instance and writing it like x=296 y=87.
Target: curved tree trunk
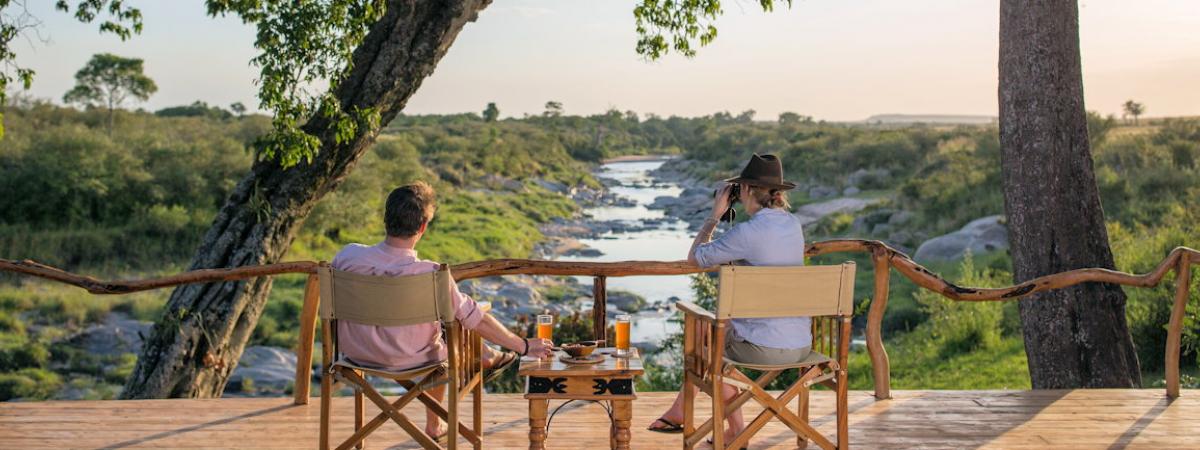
x=1074 y=337
x=204 y=328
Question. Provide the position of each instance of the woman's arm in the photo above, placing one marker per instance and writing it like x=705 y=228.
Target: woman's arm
x=726 y=248
x=703 y=237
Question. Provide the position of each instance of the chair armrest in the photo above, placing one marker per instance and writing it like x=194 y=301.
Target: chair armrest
x=699 y=338
x=689 y=308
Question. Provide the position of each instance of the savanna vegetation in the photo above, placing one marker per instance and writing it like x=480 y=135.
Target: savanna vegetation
x=948 y=176
x=137 y=201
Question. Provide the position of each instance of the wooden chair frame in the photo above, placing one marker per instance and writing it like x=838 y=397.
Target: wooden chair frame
x=462 y=372
x=706 y=367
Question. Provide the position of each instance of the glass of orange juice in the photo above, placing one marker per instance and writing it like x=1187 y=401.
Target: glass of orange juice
x=545 y=326
x=622 y=331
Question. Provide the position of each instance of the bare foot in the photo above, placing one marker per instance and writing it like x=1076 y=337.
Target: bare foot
x=436 y=432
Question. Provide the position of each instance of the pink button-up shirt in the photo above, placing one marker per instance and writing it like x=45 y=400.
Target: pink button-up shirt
x=399 y=347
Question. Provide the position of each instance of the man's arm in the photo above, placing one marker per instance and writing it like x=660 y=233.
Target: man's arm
x=469 y=315
x=494 y=331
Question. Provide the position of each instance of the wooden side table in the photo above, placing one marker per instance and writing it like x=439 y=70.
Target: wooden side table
x=608 y=381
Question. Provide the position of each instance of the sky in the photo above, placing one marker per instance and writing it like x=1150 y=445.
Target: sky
x=831 y=59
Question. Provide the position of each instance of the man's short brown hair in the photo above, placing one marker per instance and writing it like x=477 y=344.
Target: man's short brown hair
x=408 y=207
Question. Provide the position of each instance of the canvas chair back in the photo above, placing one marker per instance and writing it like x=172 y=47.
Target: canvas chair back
x=389 y=301
x=386 y=301
x=761 y=292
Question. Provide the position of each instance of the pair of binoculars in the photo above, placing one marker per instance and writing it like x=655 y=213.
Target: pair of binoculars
x=734 y=193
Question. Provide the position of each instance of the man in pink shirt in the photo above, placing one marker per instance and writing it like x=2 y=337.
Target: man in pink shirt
x=406 y=216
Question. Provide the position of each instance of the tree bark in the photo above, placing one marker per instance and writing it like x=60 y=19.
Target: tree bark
x=197 y=343
x=1078 y=336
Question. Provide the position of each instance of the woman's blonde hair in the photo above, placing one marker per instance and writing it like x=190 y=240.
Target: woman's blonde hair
x=769 y=198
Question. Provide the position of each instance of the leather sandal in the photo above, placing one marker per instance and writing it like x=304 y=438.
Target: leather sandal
x=671 y=428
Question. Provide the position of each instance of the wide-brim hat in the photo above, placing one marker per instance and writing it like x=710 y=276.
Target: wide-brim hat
x=765 y=171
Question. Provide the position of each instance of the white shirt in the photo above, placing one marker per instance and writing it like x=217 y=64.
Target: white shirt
x=772 y=237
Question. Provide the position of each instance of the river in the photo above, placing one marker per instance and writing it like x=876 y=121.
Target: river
x=668 y=239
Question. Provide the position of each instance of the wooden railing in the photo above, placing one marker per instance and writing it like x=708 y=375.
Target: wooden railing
x=884 y=259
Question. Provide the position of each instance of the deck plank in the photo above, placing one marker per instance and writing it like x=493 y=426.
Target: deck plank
x=1118 y=419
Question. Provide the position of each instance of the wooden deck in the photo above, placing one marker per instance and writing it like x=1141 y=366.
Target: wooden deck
x=1108 y=419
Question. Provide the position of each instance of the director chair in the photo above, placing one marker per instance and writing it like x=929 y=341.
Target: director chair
x=398 y=301
x=820 y=292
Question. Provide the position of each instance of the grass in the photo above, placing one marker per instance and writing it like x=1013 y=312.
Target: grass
x=37 y=359
x=915 y=366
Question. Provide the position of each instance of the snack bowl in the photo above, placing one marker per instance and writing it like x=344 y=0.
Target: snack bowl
x=580 y=349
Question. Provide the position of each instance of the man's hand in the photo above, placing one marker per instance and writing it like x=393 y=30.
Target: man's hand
x=540 y=348
x=721 y=201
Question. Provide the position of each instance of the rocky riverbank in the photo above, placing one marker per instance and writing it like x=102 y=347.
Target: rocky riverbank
x=268 y=371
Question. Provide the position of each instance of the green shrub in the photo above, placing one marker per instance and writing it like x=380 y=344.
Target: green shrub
x=89 y=388
x=147 y=306
x=73 y=309
x=1139 y=249
x=29 y=384
x=124 y=367
x=963 y=327
x=29 y=355
x=10 y=324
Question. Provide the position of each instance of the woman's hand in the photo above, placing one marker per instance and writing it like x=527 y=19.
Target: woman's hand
x=540 y=348
x=721 y=201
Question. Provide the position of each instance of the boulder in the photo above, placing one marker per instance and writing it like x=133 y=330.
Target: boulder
x=552 y=186
x=904 y=240
x=624 y=202
x=900 y=218
x=981 y=236
x=522 y=294
x=813 y=212
x=586 y=252
x=819 y=192
x=851 y=191
x=867 y=223
x=625 y=301
x=117 y=335
x=502 y=183
x=869 y=179
x=270 y=369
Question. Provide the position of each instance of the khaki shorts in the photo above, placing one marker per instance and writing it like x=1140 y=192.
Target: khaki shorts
x=746 y=352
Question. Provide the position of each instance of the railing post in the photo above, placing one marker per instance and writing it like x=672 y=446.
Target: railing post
x=599 y=308
x=1183 y=278
x=880 y=367
x=308 y=331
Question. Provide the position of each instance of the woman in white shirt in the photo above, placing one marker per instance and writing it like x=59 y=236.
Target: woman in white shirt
x=772 y=237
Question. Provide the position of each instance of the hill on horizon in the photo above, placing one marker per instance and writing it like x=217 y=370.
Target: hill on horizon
x=899 y=119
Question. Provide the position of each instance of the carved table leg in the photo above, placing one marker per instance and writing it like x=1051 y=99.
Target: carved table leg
x=622 y=418
x=537 y=424
x=612 y=427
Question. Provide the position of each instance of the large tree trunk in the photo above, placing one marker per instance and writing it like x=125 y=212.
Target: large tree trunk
x=197 y=343
x=1074 y=337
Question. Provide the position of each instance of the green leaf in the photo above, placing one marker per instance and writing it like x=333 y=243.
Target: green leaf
x=304 y=43
x=685 y=24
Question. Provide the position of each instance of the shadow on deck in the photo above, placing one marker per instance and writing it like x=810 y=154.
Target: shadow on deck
x=1108 y=419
